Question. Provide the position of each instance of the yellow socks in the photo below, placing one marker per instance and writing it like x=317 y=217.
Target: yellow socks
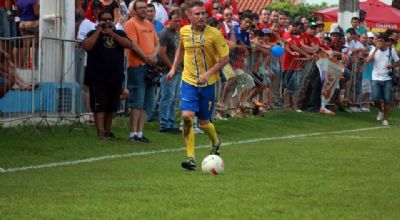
x=209 y=129
x=188 y=135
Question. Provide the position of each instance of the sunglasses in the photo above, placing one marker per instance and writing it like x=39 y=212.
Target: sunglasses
x=106 y=19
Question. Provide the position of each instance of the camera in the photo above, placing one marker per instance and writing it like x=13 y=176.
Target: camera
x=106 y=25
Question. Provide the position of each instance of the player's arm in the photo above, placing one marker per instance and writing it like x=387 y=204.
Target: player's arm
x=213 y=70
x=177 y=61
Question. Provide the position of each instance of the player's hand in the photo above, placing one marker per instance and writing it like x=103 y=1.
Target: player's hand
x=170 y=75
x=202 y=79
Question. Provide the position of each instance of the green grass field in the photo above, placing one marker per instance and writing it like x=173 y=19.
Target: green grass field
x=288 y=166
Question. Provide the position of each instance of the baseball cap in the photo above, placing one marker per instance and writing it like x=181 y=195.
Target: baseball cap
x=370 y=34
x=266 y=31
x=312 y=24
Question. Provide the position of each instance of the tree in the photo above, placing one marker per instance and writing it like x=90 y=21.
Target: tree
x=295 y=10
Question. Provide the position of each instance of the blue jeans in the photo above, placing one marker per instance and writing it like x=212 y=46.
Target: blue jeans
x=4 y=23
x=382 y=90
x=168 y=94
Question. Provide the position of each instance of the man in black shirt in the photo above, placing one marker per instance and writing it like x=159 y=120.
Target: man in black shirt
x=104 y=73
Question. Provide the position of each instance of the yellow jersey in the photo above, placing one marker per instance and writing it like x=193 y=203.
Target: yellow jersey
x=203 y=49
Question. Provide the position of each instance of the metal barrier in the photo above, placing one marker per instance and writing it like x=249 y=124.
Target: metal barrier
x=18 y=79
x=244 y=82
x=296 y=82
x=61 y=79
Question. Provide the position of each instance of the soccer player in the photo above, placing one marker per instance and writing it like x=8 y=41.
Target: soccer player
x=205 y=53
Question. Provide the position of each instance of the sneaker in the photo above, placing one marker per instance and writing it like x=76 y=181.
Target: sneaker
x=215 y=148
x=385 y=123
x=365 y=109
x=380 y=116
x=326 y=111
x=355 y=109
x=142 y=139
x=132 y=139
x=189 y=164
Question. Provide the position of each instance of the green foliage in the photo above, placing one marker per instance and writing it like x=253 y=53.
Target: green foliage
x=298 y=9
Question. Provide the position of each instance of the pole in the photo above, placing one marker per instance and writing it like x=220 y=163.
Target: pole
x=347 y=10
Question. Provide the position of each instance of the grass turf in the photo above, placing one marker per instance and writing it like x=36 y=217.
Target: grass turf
x=335 y=176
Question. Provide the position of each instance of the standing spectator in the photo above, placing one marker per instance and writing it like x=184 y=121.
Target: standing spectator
x=169 y=43
x=29 y=25
x=209 y=6
x=396 y=43
x=79 y=14
x=265 y=14
x=217 y=8
x=206 y=53
x=274 y=16
x=105 y=47
x=161 y=13
x=84 y=28
x=145 y=47
x=363 y=24
x=158 y=27
x=384 y=60
x=151 y=14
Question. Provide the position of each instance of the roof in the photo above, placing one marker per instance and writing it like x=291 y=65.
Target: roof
x=255 y=5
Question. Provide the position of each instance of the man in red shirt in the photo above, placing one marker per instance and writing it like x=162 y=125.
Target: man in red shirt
x=291 y=65
x=264 y=16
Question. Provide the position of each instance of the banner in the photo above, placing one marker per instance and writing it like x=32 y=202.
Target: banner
x=331 y=71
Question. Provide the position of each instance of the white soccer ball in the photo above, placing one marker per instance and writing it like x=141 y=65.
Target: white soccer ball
x=213 y=164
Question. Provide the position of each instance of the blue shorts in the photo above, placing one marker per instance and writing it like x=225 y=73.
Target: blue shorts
x=200 y=100
x=382 y=90
x=141 y=94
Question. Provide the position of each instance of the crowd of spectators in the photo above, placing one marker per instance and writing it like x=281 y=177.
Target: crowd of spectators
x=253 y=79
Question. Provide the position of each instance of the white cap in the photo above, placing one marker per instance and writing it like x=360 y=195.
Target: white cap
x=370 y=34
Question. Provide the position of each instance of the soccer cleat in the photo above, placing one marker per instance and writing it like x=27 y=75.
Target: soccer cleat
x=189 y=164
x=385 y=123
x=215 y=148
x=379 y=117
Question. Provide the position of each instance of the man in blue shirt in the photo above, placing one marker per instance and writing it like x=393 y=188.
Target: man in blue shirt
x=151 y=14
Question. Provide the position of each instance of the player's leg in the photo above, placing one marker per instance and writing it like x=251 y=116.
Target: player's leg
x=206 y=106
x=189 y=105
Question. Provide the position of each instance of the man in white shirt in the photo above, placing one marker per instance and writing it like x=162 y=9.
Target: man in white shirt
x=385 y=58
